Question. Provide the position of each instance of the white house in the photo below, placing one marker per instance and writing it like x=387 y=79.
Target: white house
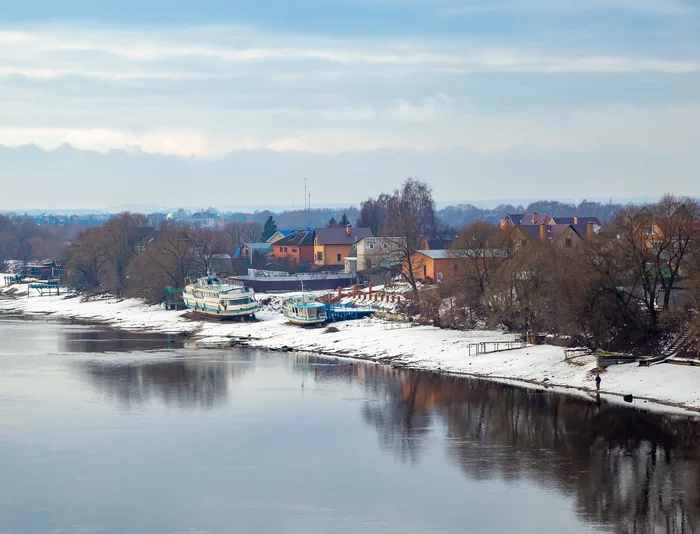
x=375 y=252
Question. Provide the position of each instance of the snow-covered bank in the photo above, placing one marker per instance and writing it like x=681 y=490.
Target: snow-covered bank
x=669 y=387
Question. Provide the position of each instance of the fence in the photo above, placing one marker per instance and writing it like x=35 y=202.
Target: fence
x=482 y=347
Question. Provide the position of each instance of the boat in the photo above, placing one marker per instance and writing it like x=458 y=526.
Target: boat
x=210 y=296
x=303 y=309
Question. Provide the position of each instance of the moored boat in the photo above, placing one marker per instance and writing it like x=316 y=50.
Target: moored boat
x=303 y=309
x=211 y=297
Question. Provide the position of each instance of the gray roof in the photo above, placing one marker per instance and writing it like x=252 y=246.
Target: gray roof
x=298 y=239
x=339 y=236
x=552 y=232
x=259 y=246
x=446 y=254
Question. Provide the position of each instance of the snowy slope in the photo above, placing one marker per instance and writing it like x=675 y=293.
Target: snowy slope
x=420 y=347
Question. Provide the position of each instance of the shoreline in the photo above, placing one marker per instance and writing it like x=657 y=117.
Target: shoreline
x=666 y=388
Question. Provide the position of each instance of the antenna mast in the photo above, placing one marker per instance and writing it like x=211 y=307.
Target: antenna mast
x=305 y=192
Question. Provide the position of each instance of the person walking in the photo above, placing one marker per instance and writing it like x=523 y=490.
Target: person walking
x=597 y=382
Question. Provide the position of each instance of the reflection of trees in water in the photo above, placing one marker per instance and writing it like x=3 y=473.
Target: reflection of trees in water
x=635 y=471
x=402 y=426
x=630 y=469
x=185 y=383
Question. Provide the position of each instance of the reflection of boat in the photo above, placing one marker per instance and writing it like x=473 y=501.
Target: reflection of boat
x=211 y=297
x=303 y=309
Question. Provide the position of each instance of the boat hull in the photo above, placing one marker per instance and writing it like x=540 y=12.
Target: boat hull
x=223 y=315
x=309 y=322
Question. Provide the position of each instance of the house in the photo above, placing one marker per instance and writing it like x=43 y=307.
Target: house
x=586 y=227
x=294 y=250
x=221 y=264
x=379 y=252
x=255 y=254
x=375 y=260
x=332 y=245
x=563 y=235
x=42 y=271
x=657 y=229
x=445 y=264
x=513 y=220
x=279 y=234
x=436 y=265
x=204 y=219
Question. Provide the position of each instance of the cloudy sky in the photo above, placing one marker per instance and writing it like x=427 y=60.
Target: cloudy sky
x=483 y=99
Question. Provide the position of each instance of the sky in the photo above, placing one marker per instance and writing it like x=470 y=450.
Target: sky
x=138 y=102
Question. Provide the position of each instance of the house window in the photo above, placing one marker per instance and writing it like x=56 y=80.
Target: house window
x=371 y=246
x=650 y=230
x=455 y=267
x=568 y=241
x=319 y=256
x=339 y=257
x=386 y=246
x=294 y=249
x=438 y=277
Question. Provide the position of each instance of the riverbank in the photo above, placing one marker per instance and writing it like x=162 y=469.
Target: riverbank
x=666 y=387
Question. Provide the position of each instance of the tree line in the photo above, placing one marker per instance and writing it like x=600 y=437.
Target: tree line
x=627 y=287
x=22 y=239
x=128 y=257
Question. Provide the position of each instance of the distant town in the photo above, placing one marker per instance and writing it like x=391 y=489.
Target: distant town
x=606 y=276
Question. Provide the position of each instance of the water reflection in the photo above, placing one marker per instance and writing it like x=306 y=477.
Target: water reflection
x=188 y=383
x=635 y=471
x=109 y=340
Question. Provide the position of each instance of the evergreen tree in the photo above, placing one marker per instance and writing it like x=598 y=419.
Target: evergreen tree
x=332 y=223
x=269 y=229
x=344 y=221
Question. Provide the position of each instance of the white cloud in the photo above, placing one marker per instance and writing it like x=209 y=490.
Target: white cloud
x=429 y=109
x=204 y=92
x=224 y=53
x=655 y=7
x=437 y=128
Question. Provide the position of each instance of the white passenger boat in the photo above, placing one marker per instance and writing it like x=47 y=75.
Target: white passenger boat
x=303 y=309
x=211 y=297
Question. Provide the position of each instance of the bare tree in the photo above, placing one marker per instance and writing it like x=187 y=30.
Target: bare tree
x=412 y=220
x=240 y=233
x=206 y=244
x=675 y=223
x=86 y=264
x=122 y=239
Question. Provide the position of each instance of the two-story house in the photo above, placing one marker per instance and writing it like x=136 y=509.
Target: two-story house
x=332 y=245
x=294 y=250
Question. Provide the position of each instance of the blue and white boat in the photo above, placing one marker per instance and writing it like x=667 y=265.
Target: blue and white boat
x=303 y=309
x=211 y=297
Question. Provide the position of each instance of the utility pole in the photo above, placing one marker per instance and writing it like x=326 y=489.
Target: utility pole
x=305 y=192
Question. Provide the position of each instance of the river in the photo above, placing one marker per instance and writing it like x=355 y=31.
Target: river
x=109 y=431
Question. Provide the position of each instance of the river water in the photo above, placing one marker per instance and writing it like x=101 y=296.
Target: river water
x=107 y=431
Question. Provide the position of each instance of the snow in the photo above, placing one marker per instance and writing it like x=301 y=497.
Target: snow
x=667 y=387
